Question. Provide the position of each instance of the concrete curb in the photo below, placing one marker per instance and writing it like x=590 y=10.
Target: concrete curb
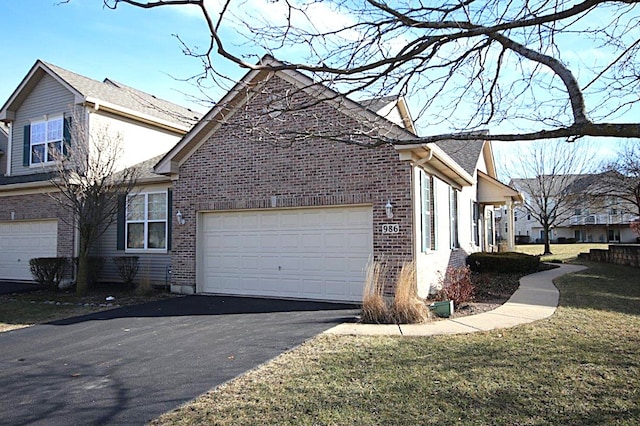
x=535 y=299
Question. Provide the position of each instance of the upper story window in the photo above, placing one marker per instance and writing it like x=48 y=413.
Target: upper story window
x=46 y=140
x=146 y=227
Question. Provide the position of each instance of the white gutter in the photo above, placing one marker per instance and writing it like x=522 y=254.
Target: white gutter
x=127 y=112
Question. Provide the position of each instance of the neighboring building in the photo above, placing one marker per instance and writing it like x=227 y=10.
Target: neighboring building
x=303 y=219
x=41 y=114
x=593 y=215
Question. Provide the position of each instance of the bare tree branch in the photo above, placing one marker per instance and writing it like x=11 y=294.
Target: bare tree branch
x=468 y=64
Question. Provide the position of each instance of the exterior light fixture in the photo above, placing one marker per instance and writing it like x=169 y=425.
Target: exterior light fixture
x=181 y=221
x=389 y=209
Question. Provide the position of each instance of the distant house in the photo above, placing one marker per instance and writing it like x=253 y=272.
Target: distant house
x=39 y=117
x=593 y=214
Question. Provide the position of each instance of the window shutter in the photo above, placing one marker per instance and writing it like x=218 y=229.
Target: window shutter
x=121 y=221
x=26 y=153
x=169 y=217
x=66 y=136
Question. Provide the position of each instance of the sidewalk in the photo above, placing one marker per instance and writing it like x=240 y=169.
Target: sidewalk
x=535 y=299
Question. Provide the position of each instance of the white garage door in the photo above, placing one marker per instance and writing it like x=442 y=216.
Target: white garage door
x=314 y=253
x=21 y=241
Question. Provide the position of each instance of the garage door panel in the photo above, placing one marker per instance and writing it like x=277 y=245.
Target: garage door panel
x=22 y=241
x=317 y=253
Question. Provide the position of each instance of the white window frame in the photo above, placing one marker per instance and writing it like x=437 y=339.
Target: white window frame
x=46 y=140
x=475 y=226
x=146 y=221
x=427 y=200
x=454 y=234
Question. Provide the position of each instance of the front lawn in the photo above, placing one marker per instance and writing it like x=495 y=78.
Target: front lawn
x=562 y=252
x=581 y=366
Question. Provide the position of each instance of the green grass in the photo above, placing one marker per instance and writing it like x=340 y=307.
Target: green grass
x=579 y=367
x=561 y=252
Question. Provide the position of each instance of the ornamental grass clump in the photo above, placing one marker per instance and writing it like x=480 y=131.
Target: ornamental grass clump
x=407 y=307
x=374 y=306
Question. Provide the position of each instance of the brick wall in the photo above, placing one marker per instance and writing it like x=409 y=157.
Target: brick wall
x=247 y=162
x=36 y=207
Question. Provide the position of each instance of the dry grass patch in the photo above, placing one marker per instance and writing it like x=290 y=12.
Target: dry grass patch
x=25 y=309
x=579 y=367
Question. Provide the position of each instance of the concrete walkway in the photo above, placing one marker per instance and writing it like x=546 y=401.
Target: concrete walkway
x=535 y=299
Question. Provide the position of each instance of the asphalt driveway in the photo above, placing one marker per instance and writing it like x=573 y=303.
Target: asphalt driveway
x=129 y=365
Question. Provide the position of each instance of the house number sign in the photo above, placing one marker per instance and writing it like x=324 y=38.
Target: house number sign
x=390 y=228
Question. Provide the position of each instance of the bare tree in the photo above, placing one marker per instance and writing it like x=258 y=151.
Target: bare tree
x=546 y=174
x=621 y=177
x=90 y=180
x=529 y=66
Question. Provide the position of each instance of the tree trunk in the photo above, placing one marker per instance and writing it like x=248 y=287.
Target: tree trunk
x=82 y=282
x=547 y=240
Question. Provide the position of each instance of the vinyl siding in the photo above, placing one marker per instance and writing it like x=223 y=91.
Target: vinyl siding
x=139 y=141
x=153 y=265
x=47 y=97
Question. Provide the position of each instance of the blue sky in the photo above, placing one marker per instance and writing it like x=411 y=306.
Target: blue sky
x=130 y=45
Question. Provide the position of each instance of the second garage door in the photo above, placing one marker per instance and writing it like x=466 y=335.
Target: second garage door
x=314 y=253
x=21 y=241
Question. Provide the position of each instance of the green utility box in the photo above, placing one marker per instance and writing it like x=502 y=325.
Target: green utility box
x=442 y=309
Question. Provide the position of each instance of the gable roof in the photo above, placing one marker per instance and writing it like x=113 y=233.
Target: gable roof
x=236 y=97
x=108 y=94
x=385 y=105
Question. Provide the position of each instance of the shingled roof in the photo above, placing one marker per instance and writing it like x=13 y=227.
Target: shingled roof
x=464 y=152
x=120 y=94
x=110 y=94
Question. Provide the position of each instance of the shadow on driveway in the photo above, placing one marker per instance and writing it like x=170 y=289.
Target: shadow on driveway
x=211 y=305
x=131 y=364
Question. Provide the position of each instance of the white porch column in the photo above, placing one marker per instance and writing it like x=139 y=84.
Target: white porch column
x=511 y=238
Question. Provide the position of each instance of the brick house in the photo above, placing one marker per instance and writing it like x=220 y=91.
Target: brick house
x=39 y=118
x=268 y=209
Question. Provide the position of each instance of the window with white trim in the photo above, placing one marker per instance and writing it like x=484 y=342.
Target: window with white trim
x=46 y=140
x=146 y=226
x=475 y=217
x=453 y=218
x=427 y=209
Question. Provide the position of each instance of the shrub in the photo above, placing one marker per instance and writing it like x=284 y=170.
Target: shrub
x=48 y=271
x=407 y=307
x=374 y=306
x=505 y=262
x=456 y=286
x=127 y=268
